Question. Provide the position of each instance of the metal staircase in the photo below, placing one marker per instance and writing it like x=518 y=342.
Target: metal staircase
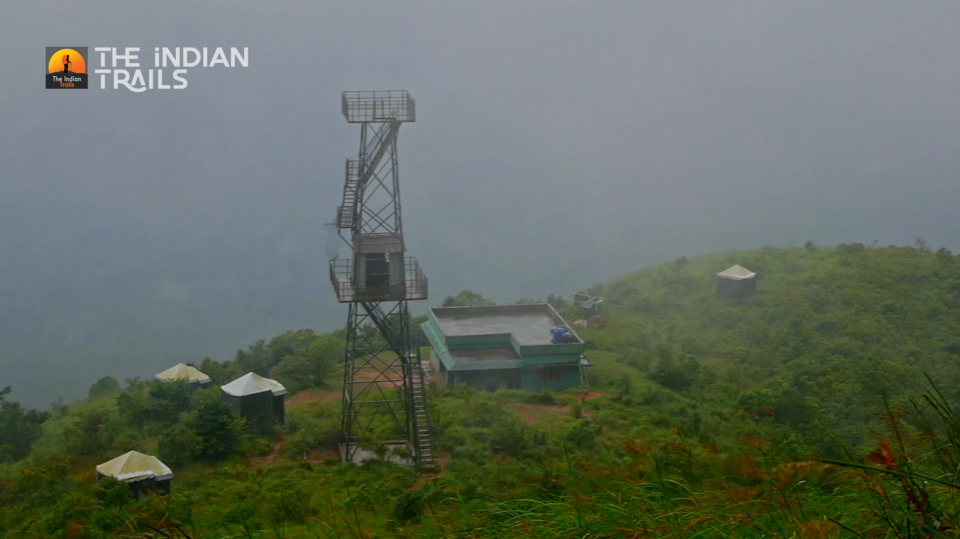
x=360 y=171
x=421 y=418
x=351 y=194
x=374 y=149
x=391 y=332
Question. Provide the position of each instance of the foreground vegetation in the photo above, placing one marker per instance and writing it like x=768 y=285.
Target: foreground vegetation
x=822 y=407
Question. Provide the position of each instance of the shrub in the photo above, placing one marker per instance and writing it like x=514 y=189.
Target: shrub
x=678 y=375
x=113 y=493
x=576 y=409
x=104 y=386
x=409 y=506
x=547 y=397
x=583 y=435
x=179 y=445
x=509 y=436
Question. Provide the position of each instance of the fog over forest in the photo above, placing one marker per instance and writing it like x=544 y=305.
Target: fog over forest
x=557 y=145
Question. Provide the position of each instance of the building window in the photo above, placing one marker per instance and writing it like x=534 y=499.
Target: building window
x=550 y=375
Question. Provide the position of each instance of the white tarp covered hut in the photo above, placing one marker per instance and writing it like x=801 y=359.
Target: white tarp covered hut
x=143 y=472
x=256 y=398
x=736 y=282
x=182 y=371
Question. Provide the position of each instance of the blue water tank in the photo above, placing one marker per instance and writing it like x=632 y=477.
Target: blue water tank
x=558 y=334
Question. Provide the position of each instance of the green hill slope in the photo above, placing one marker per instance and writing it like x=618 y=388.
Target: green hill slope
x=829 y=334
x=703 y=419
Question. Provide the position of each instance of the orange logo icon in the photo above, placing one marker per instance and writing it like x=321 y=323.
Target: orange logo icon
x=66 y=67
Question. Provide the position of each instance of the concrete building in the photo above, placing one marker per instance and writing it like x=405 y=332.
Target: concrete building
x=513 y=346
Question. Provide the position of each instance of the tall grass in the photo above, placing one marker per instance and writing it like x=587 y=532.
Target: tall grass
x=912 y=478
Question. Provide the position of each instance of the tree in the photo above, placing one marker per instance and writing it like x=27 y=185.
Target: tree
x=466 y=298
x=91 y=434
x=309 y=367
x=289 y=344
x=104 y=386
x=179 y=445
x=19 y=428
x=168 y=400
x=133 y=405
x=217 y=427
x=59 y=408
x=256 y=358
x=557 y=302
x=676 y=374
x=415 y=327
x=221 y=372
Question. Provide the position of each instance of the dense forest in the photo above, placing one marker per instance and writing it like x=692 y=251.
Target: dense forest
x=820 y=407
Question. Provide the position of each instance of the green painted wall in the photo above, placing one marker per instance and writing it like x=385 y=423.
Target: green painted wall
x=552 y=359
x=569 y=377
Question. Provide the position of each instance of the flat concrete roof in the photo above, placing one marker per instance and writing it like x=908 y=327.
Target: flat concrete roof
x=530 y=324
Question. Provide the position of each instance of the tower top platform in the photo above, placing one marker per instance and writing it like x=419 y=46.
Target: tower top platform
x=376 y=106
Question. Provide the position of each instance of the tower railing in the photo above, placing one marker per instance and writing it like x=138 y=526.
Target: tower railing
x=413 y=285
x=379 y=106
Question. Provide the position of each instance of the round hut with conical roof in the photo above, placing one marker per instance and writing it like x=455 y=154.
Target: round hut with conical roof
x=257 y=399
x=736 y=282
x=144 y=473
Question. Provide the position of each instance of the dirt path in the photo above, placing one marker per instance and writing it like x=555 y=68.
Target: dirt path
x=308 y=396
x=314 y=456
x=270 y=458
x=530 y=413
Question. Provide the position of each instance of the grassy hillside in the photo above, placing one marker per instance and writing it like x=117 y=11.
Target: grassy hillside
x=829 y=334
x=705 y=418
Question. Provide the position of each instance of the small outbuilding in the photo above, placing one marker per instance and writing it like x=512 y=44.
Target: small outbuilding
x=182 y=371
x=736 y=282
x=257 y=399
x=144 y=473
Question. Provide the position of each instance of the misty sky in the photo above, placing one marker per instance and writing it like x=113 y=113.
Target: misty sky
x=557 y=145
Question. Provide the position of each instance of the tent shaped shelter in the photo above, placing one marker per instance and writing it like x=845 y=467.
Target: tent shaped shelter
x=143 y=472
x=182 y=371
x=736 y=282
x=255 y=398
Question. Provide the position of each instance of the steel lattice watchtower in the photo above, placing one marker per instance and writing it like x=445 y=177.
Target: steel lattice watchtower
x=384 y=399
